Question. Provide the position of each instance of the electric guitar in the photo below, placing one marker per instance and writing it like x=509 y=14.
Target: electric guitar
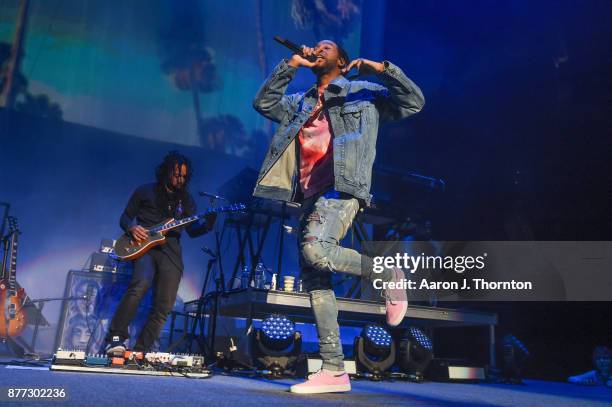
x=12 y=313
x=127 y=248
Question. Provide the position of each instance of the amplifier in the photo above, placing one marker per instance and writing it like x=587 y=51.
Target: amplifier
x=85 y=318
x=105 y=262
x=102 y=262
x=107 y=246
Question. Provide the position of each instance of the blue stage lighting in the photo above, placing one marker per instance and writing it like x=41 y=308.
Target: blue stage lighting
x=277 y=328
x=378 y=335
x=277 y=345
x=421 y=338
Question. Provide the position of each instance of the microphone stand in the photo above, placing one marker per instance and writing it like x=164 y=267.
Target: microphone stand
x=219 y=290
x=207 y=344
x=199 y=318
x=41 y=304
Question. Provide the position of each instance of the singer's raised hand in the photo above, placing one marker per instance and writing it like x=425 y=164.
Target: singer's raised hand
x=365 y=67
x=298 y=60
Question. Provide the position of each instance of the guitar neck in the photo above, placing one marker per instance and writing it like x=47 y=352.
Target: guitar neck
x=5 y=256
x=12 y=271
x=181 y=222
x=184 y=221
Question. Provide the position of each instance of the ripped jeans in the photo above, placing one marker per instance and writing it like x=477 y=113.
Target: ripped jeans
x=324 y=223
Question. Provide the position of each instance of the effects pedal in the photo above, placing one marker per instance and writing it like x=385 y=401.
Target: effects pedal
x=117 y=362
x=133 y=355
x=69 y=357
x=96 y=360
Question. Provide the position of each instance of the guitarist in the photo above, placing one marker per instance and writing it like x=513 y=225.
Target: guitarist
x=161 y=267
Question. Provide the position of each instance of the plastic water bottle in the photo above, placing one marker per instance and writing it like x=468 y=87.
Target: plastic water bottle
x=260 y=276
x=245 y=279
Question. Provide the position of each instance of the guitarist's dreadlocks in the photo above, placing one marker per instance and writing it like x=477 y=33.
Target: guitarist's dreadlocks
x=163 y=172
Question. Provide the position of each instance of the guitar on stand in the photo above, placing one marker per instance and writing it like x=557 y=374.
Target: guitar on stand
x=13 y=319
x=127 y=248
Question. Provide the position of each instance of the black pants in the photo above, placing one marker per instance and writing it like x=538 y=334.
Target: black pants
x=154 y=269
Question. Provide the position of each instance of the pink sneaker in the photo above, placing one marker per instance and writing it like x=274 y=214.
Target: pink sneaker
x=396 y=300
x=323 y=382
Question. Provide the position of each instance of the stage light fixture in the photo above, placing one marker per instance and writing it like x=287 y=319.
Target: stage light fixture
x=277 y=345
x=415 y=353
x=378 y=340
x=374 y=351
x=277 y=332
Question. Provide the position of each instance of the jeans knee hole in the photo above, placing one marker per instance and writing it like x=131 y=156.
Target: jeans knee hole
x=315 y=217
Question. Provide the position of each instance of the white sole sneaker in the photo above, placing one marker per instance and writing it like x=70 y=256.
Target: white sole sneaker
x=400 y=316
x=337 y=388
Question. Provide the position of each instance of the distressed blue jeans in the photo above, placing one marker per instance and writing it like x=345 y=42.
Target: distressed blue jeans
x=324 y=223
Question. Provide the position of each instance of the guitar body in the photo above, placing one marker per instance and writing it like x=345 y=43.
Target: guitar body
x=126 y=248
x=13 y=319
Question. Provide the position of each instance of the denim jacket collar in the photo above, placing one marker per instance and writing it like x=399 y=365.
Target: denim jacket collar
x=336 y=85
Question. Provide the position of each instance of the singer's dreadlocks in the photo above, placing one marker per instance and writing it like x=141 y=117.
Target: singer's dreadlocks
x=343 y=54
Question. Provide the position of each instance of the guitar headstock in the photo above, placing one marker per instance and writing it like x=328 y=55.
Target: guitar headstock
x=13 y=224
x=236 y=207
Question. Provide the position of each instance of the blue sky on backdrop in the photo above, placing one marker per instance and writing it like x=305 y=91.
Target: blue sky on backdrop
x=101 y=61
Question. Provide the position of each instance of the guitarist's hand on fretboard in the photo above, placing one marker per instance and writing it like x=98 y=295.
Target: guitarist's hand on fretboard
x=196 y=230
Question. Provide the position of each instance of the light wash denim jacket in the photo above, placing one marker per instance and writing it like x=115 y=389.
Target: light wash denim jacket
x=355 y=109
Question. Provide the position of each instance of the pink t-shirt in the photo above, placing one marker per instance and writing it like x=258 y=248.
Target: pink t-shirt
x=316 y=152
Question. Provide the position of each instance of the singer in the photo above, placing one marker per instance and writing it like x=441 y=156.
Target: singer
x=162 y=266
x=321 y=156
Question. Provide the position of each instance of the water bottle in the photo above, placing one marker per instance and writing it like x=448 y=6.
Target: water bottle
x=260 y=276
x=245 y=279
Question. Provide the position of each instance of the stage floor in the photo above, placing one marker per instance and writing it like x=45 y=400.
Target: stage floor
x=97 y=389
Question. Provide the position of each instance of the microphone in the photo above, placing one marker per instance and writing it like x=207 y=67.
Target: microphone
x=295 y=48
x=212 y=196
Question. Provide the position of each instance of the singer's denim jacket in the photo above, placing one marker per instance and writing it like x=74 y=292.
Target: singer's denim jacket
x=355 y=109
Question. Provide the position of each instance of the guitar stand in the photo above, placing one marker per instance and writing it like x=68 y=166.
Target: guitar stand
x=14 y=348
